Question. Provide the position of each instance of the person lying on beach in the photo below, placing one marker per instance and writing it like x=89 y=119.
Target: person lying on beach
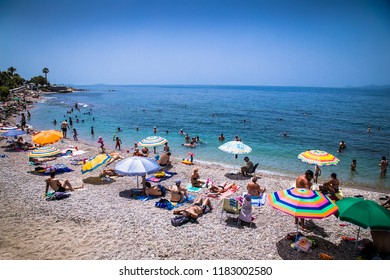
x=178 y=193
x=114 y=157
x=165 y=159
x=199 y=208
x=109 y=172
x=221 y=188
x=40 y=160
x=195 y=178
x=57 y=186
x=254 y=188
x=331 y=186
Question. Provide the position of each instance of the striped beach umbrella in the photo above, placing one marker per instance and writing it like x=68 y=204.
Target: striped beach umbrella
x=302 y=203
x=47 y=137
x=318 y=157
x=152 y=141
x=48 y=151
x=95 y=162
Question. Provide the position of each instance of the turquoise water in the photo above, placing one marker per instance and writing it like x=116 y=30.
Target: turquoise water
x=313 y=118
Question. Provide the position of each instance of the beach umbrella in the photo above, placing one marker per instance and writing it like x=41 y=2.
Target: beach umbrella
x=47 y=137
x=136 y=166
x=13 y=132
x=48 y=151
x=363 y=213
x=236 y=148
x=152 y=141
x=302 y=203
x=318 y=157
x=95 y=162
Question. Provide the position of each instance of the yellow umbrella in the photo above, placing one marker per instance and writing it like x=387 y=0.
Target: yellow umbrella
x=95 y=162
x=47 y=137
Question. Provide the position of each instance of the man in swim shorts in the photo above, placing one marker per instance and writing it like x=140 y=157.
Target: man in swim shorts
x=199 y=208
x=254 y=188
x=57 y=186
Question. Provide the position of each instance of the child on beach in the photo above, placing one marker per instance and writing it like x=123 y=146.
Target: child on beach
x=118 y=143
x=75 y=134
x=101 y=142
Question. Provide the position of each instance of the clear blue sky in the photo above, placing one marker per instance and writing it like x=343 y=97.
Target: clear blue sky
x=298 y=43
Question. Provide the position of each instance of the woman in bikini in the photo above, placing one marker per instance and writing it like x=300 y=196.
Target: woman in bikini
x=178 y=193
x=221 y=188
x=195 y=178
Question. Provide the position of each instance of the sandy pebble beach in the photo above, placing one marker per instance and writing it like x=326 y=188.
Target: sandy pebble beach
x=101 y=221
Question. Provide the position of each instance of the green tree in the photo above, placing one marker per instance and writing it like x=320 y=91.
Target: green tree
x=38 y=80
x=11 y=70
x=45 y=71
x=4 y=93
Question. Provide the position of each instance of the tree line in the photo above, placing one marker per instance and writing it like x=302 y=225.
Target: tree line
x=9 y=79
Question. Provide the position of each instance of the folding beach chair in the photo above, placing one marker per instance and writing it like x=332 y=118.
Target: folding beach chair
x=230 y=206
x=253 y=172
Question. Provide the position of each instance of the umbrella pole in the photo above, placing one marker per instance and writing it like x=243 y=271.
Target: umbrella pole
x=357 y=238
x=296 y=237
x=137 y=181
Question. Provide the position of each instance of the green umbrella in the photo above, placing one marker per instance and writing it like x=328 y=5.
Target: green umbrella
x=363 y=213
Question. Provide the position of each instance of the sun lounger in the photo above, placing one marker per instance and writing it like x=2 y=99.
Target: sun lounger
x=257 y=200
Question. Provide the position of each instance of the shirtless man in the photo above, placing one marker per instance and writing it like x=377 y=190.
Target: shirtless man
x=247 y=168
x=303 y=181
x=254 y=188
x=165 y=159
x=199 y=207
x=331 y=186
x=383 y=166
x=178 y=193
x=57 y=186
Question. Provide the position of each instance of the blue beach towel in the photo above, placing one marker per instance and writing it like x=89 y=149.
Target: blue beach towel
x=190 y=188
x=257 y=200
x=187 y=200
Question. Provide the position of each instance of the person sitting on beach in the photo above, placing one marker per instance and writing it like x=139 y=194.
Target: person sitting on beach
x=331 y=186
x=57 y=186
x=165 y=159
x=247 y=168
x=145 y=151
x=137 y=153
x=221 y=188
x=178 y=193
x=158 y=190
x=254 y=188
x=195 y=178
x=303 y=181
x=199 y=208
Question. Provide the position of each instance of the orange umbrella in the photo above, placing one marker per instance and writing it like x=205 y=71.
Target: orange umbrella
x=47 y=137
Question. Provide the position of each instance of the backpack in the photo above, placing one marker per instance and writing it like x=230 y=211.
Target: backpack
x=179 y=220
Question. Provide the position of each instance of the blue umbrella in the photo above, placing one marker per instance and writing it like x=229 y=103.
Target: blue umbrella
x=14 y=132
x=136 y=166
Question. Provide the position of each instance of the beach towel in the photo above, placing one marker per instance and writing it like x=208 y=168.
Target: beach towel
x=190 y=188
x=257 y=200
x=155 y=179
x=145 y=197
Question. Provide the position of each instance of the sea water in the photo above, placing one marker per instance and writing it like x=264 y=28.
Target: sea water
x=278 y=123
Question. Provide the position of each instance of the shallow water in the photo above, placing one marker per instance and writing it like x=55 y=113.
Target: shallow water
x=312 y=118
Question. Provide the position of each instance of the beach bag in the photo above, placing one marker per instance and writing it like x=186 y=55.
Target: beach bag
x=303 y=244
x=179 y=220
x=57 y=196
x=163 y=203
